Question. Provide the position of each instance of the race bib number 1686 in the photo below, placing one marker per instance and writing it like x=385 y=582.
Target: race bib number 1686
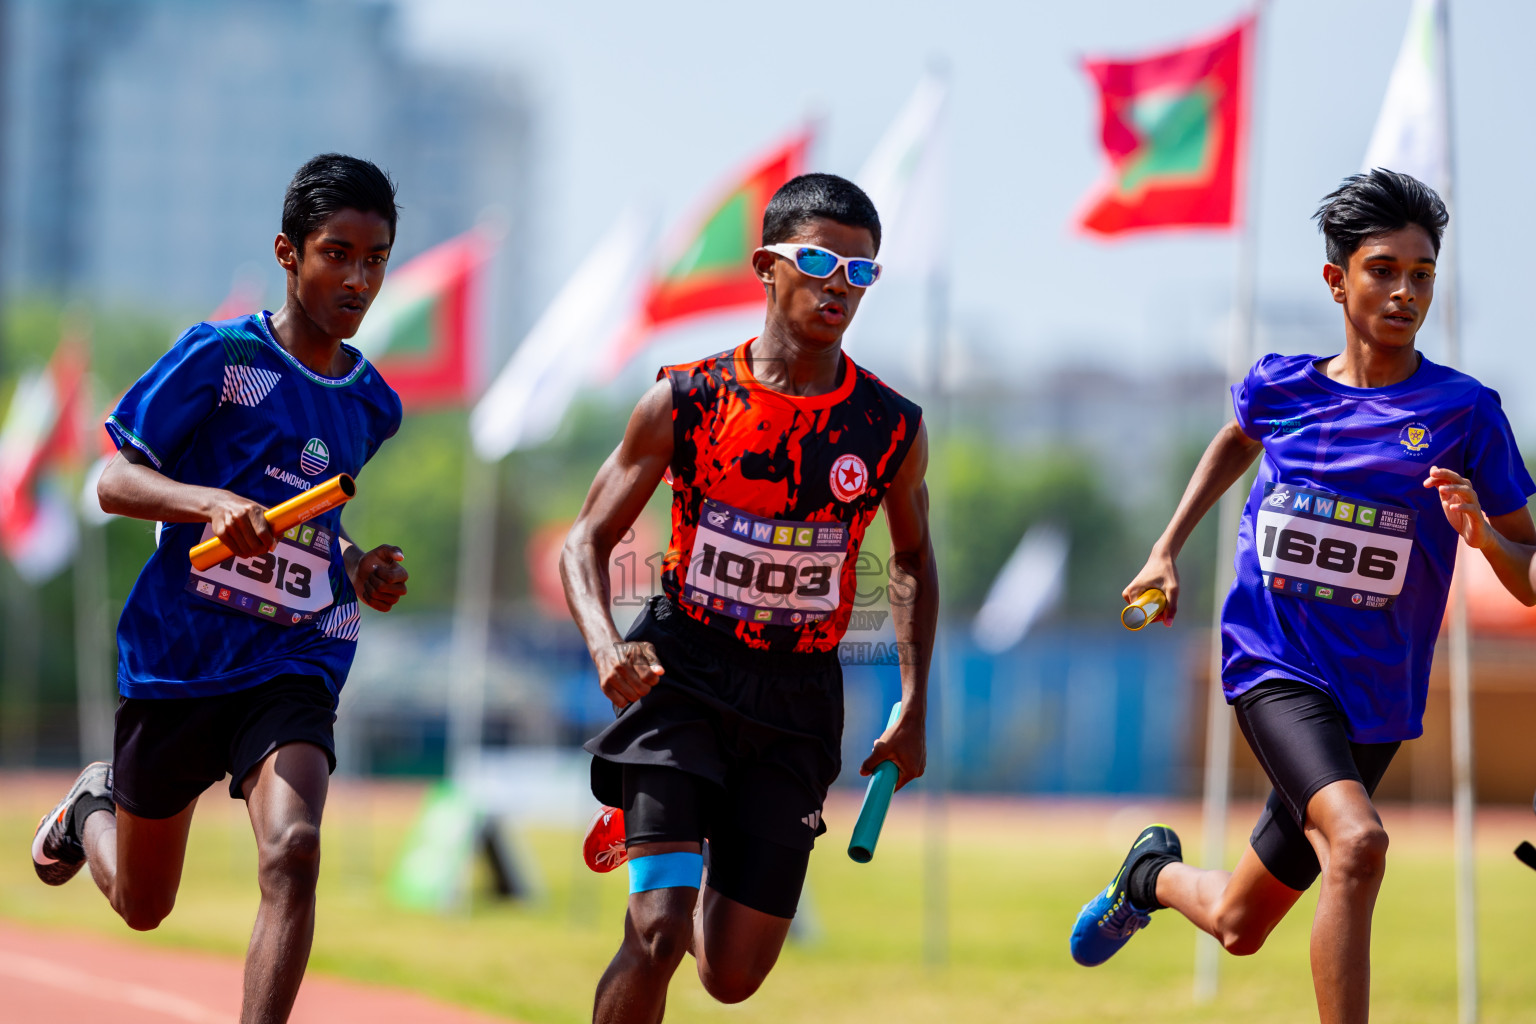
x=1329 y=548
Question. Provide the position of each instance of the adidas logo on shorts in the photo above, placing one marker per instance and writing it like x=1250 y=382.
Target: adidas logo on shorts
x=813 y=819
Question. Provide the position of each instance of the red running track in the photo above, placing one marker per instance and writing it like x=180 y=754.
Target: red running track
x=70 y=979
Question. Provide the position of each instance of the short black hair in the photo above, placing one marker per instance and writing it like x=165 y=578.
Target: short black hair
x=818 y=195
x=331 y=182
x=1374 y=203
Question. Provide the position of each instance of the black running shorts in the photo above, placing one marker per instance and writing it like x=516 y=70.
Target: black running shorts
x=167 y=751
x=1302 y=742
x=667 y=805
x=763 y=730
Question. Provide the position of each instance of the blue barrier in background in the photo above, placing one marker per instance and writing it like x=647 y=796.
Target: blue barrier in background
x=1068 y=711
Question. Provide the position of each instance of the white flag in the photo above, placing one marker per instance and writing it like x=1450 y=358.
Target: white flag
x=1412 y=131
x=1028 y=587
x=525 y=403
x=904 y=176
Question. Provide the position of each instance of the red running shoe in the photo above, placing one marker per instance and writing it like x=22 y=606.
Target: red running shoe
x=603 y=849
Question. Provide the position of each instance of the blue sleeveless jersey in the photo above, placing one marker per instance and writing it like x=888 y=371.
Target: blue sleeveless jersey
x=228 y=407
x=1344 y=558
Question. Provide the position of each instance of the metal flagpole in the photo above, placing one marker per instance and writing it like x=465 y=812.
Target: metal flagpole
x=1460 y=656
x=93 y=645
x=472 y=616
x=942 y=719
x=1218 y=727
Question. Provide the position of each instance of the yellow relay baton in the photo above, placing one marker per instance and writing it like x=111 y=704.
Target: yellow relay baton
x=338 y=490
x=1144 y=609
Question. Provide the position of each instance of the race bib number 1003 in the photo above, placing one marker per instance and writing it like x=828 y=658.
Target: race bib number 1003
x=774 y=571
x=1329 y=548
x=285 y=586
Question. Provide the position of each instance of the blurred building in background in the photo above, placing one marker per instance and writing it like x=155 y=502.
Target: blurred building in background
x=147 y=143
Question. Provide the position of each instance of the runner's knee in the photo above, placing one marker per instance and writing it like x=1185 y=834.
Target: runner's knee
x=1358 y=855
x=1242 y=928
x=660 y=937
x=289 y=862
x=729 y=984
x=1240 y=932
x=143 y=913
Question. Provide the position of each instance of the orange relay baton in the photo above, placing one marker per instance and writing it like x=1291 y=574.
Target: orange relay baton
x=1144 y=609
x=338 y=490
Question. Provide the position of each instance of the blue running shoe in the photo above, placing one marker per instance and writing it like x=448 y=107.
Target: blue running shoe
x=1108 y=921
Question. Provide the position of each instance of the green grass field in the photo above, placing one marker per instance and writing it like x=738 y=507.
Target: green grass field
x=1018 y=871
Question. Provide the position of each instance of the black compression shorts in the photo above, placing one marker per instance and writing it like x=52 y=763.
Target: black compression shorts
x=1302 y=742
x=665 y=805
x=167 y=751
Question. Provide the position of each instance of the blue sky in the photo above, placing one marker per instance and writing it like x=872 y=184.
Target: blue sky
x=654 y=104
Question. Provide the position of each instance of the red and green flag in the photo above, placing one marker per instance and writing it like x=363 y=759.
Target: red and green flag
x=1174 y=127
x=424 y=332
x=41 y=443
x=711 y=270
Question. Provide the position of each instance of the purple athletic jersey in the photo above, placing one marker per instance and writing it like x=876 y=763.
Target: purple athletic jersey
x=1344 y=557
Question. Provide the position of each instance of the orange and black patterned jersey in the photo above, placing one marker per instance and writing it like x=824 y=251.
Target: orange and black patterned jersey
x=771 y=495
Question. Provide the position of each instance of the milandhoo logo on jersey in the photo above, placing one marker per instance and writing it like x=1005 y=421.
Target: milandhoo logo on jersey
x=1415 y=437
x=849 y=477
x=315 y=457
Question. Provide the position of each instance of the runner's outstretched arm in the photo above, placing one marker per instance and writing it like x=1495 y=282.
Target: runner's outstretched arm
x=1226 y=459
x=129 y=486
x=914 y=594
x=1507 y=541
x=626 y=481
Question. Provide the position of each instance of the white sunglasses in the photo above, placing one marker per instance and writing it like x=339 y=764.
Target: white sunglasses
x=814 y=261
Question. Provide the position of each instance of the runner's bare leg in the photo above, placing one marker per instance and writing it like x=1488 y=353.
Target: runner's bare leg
x=285 y=795
x=136 y=862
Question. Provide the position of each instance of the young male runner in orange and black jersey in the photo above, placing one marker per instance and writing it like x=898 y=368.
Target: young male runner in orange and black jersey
x=729 y=685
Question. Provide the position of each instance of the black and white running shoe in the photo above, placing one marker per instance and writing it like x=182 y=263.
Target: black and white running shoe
x=57 y=851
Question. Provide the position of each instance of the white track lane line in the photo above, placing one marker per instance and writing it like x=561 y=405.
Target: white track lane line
x=79 y=983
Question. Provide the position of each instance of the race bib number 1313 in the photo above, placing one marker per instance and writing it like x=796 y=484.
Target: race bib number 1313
x=1329 y=548
x=285 y=586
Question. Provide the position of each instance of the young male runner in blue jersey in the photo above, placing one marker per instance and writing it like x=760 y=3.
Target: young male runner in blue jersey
x=237 y=670
x=1374 y=460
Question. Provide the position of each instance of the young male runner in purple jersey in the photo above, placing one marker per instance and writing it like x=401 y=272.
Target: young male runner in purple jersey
x=1373 y=462
x=237 y=669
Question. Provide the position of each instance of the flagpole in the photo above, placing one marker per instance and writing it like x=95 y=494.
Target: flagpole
x=93 y=668
x=942 y=722
x=1218 y=727
x=18 y=691
x=1463 y=807
x=472 y=616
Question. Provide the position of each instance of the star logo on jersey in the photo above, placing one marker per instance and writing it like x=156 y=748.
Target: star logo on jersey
x=1415 y=437
x=315 y=457
x=849 y=477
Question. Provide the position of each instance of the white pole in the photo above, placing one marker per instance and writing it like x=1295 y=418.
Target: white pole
x=1218 y=720
x=1460 y=656
x=470 y=658
x=93 y=645
x=945 y=728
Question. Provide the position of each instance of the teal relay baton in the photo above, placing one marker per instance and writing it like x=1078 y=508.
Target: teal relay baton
x=877 y=800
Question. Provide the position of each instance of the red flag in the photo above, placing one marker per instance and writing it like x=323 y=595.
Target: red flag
x=40 y=439
x=424 y=332
x=711 y=271
x=1174 y=128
